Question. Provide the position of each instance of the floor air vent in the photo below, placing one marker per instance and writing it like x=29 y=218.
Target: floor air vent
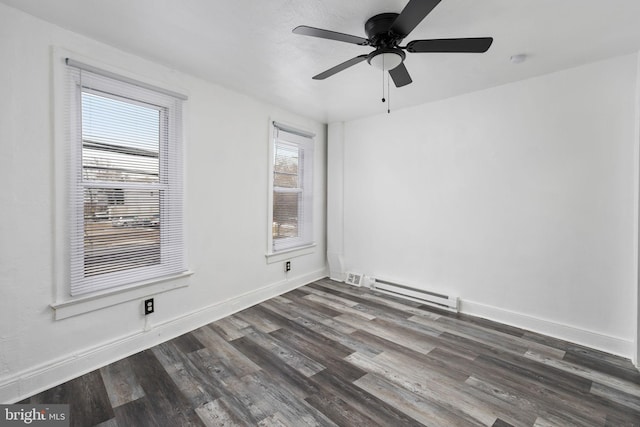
x=433 y=299
x=354 y=279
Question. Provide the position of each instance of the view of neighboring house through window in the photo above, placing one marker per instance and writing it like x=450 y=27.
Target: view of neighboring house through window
x=292 y=188
x=126 y=189
x=287 y=196
x=120 y=144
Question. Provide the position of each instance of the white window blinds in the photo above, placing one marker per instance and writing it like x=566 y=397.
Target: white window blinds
x=125 y=182
x=292 y=181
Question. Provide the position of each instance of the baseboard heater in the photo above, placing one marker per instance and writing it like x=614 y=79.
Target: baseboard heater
x=433 y=299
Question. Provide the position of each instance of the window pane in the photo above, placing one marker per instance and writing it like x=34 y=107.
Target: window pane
x=125 y=181
x=285 y=214
x=286 y=169
x=121 y=229
x=120 y=140
x=292 y=177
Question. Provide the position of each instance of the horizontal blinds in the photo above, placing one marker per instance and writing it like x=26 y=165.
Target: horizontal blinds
x=290 y=130
x=292 y=187
x=98 y=71
x=288 y=181
x=126 y=222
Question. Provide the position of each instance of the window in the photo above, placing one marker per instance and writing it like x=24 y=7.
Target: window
x=292 y=184
x=125 y=181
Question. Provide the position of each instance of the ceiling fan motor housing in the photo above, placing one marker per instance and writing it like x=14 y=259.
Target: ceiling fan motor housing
x=387 y=55
x=378 y=31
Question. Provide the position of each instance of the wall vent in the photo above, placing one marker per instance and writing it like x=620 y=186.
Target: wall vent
x=354 y=279
x=433 y=299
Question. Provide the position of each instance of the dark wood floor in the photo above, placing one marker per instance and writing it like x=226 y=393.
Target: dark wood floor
x=330 y=354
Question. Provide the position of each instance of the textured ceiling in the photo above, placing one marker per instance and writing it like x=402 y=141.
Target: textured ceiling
x=247 y=45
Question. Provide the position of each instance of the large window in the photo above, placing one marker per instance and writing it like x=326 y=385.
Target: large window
x=292 y=188
x=125 y=160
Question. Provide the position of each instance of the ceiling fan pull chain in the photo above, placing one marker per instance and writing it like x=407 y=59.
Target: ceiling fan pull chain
x=388 y=95
x=383 y=100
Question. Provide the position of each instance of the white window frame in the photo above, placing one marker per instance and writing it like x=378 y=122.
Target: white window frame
x=66 y=305
x=304 y=242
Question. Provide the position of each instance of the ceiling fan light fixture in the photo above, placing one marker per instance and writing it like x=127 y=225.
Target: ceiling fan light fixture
x=386 y=59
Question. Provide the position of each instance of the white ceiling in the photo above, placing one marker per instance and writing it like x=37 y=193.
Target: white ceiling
x=248 y=46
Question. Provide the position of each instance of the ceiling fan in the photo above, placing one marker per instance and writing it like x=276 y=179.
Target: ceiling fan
x=385 y=31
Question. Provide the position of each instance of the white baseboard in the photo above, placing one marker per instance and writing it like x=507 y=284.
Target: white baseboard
x=613 y=345
x=33 y=380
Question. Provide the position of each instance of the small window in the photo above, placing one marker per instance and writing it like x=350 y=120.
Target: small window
x=125 y=169
x=292 y=185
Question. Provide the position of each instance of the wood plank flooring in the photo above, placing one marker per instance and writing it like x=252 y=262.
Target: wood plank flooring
x=330 y=354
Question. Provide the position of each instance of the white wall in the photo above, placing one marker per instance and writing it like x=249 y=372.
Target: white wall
x=335 y=202
x=519 y=199
x=636 y=359
x=226 y=213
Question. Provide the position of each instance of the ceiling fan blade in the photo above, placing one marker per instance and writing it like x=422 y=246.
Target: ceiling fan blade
x=331 y=35
x=331 y=71
x=412 y=14
x=400 y=76
x=469 y=45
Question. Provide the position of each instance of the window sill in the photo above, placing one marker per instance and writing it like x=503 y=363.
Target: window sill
x=286 y=254
x=86 y=304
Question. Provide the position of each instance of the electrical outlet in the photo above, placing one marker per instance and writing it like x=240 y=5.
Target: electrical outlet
x=287 y=266
x=148 y=306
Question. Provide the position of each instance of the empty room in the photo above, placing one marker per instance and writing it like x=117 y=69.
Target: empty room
x=291 y=213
